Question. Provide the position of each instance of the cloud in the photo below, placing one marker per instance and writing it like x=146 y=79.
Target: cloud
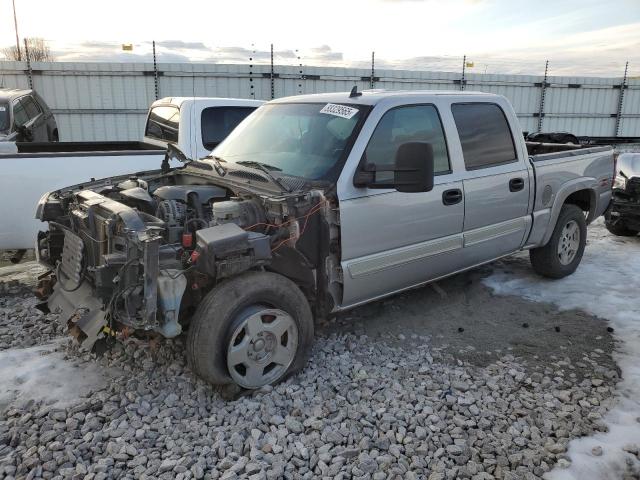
x=179 y=44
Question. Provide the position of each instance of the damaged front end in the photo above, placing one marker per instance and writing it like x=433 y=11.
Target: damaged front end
x=139 y=253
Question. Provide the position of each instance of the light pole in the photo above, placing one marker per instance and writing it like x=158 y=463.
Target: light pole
x=15 y=23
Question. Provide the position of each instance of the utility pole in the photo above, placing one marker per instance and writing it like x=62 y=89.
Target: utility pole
x=15 y=23
x=621 y=99
x=464 y=65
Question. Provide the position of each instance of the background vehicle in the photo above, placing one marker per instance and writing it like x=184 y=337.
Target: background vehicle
x=623 y=216
x=553 y=137
x=195 y=125
x=25 y=117
x=313 y=205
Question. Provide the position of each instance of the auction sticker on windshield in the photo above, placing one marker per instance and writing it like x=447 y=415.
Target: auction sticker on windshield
x=339 y=110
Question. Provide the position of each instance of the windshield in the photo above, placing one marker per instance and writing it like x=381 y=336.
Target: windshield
x=300 y=139
x=4 y=117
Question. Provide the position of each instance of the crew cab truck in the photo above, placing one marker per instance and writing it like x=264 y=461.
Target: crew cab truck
x=195 y=125
x=313 y=205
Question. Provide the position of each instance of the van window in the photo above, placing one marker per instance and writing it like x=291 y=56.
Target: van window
x=414 y=123
x=163 y=123
x=32 y=109
x=484 y=134
x=218 y=122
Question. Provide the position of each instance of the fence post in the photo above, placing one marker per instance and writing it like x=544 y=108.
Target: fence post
x=300 y=72
x=155 y=71
x=29 y=71
x=543 y=93
x=373 y=69
x=252 y=92
x=621 y=100
x=464 y=64
x=272 y=77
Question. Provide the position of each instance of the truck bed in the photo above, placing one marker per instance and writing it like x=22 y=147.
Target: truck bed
x=538 y=148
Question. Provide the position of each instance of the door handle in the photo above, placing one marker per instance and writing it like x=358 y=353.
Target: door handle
x=516 y=184
x=451 y=197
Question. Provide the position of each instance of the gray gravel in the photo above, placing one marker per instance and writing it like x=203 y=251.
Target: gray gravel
x=390 y=406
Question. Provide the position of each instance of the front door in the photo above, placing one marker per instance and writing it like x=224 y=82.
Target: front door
x=393 y=240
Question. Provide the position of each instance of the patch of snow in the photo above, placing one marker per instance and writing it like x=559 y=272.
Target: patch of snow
x=606 y=284
x=41 y=373
x=26 y=273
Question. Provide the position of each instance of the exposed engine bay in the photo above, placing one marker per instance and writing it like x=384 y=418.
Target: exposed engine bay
x=140 y=252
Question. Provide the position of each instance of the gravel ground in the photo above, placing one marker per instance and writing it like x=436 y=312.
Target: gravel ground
x=440 y=383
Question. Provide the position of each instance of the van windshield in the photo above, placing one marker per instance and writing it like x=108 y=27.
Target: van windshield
x=4 y=117
x=308 y=140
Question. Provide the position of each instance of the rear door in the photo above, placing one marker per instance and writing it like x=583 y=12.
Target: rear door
x=393 y=240
x=496 y=183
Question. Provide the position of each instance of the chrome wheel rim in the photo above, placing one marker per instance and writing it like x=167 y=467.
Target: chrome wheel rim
x=262 y=347
x=569 y=242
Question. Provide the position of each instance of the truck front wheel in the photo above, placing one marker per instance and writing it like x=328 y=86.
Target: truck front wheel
x=562 y=254
x=255 y=329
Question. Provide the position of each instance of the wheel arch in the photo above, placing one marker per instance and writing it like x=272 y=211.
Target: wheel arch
x=580 y=193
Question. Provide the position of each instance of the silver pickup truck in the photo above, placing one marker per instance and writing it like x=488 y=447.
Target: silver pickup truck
x=313 y=205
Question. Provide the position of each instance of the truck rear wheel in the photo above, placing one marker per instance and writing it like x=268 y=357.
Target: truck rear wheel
x=562 y=254
x=255 y=329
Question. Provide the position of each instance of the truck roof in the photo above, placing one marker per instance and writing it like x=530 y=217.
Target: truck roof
x=11 y=93
x=208 y=101
x=372 y=97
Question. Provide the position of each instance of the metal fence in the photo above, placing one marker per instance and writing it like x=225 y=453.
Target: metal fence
x=108 y=101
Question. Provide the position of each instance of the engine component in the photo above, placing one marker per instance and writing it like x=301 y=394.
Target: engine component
x=243 y=213
x=227 y=249
x=171 y=286
x=205 y=193
x=173 y=214
x=138 y=197
x=133 y=182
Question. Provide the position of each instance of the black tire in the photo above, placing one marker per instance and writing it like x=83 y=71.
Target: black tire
x=545 y=260
x=212 y=325
x=617 y=226
x=54 y=136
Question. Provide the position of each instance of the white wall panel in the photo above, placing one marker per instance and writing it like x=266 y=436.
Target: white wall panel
x=107 y=101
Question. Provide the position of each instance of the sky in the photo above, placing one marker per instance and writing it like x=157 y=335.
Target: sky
x=581 y=37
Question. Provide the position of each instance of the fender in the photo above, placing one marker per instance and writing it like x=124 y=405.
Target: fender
x=583 y=183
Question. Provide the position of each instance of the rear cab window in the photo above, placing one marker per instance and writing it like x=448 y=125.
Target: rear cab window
x=218 y=122
x=163 y=123
x=409 y=123
x=485 y=135
x=20 y=116
x=30 y=107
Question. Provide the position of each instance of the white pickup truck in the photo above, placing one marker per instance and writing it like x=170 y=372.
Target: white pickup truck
x=315 y=204
x=195 y=125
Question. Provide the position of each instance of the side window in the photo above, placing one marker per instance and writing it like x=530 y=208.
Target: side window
x=218 y=122
x=20 y=116
x=32 y=109
x=163 y=123
x=415 y=123
x=484 y=134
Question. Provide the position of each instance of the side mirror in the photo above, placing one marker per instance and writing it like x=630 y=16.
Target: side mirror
x=414 y=170
x=173 y=152
x=25 y=133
